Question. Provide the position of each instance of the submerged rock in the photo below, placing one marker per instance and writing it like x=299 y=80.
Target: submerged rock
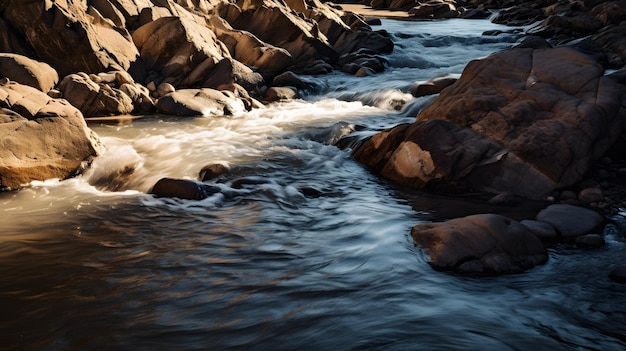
x=480 y=244
x=183 y=189
x=69 y=36
x=41 y=137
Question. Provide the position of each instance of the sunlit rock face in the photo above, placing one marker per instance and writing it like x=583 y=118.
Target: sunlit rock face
x=41 y=137
x=69 y=36
x=524 y=121
x=24 y=70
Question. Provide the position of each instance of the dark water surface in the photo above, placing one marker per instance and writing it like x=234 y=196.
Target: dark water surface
x=313 y=252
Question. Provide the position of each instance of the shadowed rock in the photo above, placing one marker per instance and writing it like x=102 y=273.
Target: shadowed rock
x=571 y=221
x=183 y=189
x=480 y=244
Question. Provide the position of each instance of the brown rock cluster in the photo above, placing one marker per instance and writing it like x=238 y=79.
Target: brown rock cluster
x=115 y=57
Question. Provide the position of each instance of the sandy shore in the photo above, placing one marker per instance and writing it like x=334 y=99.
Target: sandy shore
x=368 y=12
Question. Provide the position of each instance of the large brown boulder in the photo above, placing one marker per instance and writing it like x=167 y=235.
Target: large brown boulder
x=24 y=70
x=526 y=121
x=278 y=25
x=246 y=48
x=69 y=36
x=480 y=244
x=41 y=137
x=178 y=50
x=95 y=97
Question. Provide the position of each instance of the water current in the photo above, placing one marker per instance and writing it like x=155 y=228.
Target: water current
x=95 y=264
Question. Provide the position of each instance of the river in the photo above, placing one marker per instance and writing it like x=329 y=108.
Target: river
x=95 y=264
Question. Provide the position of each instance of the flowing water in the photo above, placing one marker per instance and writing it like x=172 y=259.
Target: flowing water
x=312 y=251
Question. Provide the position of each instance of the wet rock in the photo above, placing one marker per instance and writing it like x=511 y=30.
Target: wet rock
x=524 y=121
x=353 y=62
x=476 y=14
x=571 y=221
x=212 y=171
x=24 y=70
x=291 y=79
x=183 y=189
x=590 y=241
x=364 y=72
x=542 y=230
x=42 y=137
x=203 y=102
x=432 y=86
x=178 y=50
x=480 y=244
x=281 y=93
x=618 y=274
x=434 y=9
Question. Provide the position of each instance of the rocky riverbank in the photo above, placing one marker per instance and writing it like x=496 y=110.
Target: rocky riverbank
x=543 y=120
x=182 y=58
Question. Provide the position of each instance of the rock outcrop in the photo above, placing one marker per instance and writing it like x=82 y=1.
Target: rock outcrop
x=41 y=137
x=24 y=70
x=524 y=121
x=69 y=36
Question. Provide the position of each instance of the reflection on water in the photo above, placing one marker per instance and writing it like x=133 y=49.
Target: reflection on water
x=267 y=265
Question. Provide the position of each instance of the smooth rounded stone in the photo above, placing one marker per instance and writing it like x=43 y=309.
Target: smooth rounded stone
x=589 y=195
x=281 y=93
x=213 y=171
x=164 y=89
x=246 y=181
x=183 y=189
x=534 y=42
x=618 y=274
x=310 y=191
x=590 y=241
x=480 y=244
x=544 y=231
x=571 y=221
